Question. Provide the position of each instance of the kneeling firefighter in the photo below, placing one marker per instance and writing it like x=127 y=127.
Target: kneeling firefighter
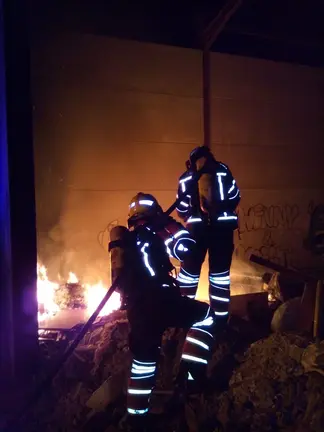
x=153 y=300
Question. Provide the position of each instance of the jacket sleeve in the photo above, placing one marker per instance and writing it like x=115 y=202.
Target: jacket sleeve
x=232 y=192
x=183 y=208
x=177 y=239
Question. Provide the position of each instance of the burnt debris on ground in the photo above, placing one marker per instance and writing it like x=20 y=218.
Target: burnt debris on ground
x=257 y=381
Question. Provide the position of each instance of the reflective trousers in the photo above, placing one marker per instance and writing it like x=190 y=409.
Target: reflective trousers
x=148 y=320
x=219 y=242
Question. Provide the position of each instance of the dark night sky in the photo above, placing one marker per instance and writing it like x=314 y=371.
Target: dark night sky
x=284 y=30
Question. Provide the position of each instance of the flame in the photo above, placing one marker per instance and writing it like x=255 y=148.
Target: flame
x=93 y=295
x=45 y=294
x=72 y=278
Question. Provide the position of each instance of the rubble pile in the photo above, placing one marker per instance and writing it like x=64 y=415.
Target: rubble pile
x=102 y=353
x=269 y=391
x=112 y=354
x=264 y=389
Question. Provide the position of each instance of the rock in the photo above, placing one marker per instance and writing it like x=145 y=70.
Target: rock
x=290 y=317
x=311 y=358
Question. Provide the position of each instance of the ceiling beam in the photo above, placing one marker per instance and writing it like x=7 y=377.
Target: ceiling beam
x=216 y=26
x=210 y=34
x=307 y=43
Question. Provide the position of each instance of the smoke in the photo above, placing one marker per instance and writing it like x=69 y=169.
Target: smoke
x=245 y=277
x=63 y=251
x=241 y=266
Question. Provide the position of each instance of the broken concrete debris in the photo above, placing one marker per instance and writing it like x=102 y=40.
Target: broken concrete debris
x=272 y=384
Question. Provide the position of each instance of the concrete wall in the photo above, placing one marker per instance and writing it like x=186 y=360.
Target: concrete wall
x=114 y=117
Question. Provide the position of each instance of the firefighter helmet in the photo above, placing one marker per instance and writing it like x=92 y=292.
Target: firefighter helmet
x=143 y=206
x=199 y=152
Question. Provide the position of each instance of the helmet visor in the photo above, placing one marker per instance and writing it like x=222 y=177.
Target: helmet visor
x=141 y=208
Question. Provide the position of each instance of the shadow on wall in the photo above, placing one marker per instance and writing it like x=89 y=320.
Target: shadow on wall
x=315 y=239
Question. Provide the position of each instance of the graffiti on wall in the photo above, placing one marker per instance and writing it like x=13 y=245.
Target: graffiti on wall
x=275 y=232
x=267 y=247
x=261 y=217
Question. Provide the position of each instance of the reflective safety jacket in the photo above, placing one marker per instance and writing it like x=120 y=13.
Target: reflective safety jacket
x=160 y=243
x=214 y=198
x=149 y=267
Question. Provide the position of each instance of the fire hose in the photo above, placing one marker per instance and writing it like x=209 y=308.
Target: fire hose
x=70 y=349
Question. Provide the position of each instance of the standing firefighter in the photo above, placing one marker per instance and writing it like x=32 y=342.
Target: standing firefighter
x=208 y=210
x=154 y=302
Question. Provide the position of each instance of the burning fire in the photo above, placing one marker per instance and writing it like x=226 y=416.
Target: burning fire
x=72 y=278
x=45 y=294
x=93 y=294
